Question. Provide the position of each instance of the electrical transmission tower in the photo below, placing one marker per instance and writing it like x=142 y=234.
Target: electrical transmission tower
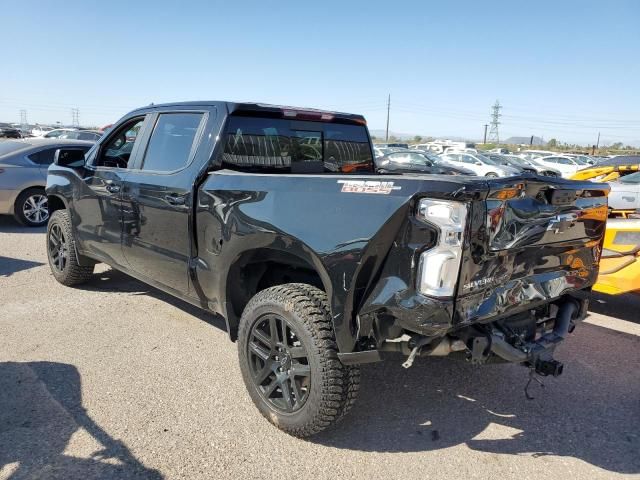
x=75 y=117
x=494 y=135
x=23 y=118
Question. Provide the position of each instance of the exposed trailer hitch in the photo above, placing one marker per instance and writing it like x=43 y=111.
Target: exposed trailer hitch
x=538 y=354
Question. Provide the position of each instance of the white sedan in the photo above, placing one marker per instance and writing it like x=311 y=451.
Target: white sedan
x=478 y=164
x=567 y=166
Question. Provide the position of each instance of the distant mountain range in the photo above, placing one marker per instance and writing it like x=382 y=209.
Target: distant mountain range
x=537 y=141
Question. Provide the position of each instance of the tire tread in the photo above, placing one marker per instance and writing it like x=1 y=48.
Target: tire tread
x=340 y=383
x=74 y=274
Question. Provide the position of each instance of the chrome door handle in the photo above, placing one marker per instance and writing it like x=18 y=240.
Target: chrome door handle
x=112 y=188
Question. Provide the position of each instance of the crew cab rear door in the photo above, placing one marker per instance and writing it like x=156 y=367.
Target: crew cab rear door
x=158 y=198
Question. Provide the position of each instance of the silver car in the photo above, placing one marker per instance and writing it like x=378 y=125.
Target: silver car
x=625 y=193
x=478 y=164
x=23 y=176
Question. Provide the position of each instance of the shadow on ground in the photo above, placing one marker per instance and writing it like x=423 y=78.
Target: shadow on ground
x=40 y=409
x=9 y=266
x=624 y=307
x=9 y=225
x=591 y=413
x=112 y=280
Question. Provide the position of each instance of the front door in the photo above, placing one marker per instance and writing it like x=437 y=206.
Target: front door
x=98 y=206
x=158 y=197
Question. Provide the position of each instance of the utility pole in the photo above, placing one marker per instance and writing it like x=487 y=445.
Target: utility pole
x=388 y=109
x=494 y=136
x=485 y=133
x=23 y=119
x=75 y=117
x=598 y=142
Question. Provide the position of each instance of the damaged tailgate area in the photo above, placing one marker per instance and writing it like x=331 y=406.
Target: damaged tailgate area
x=530 y=256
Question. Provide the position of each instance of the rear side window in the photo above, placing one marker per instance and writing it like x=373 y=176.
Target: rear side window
x=171 y=142
x=279 y=145
x=45 y=157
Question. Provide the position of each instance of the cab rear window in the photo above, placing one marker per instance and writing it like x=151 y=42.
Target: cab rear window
x=294 y=146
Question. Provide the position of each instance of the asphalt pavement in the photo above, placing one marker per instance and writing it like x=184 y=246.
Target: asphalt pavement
x=117 y=380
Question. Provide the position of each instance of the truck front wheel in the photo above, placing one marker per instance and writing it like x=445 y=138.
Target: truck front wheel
x=61 y=250
x=288 y=358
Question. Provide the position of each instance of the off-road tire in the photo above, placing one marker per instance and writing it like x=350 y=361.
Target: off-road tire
x=334 y=386
x=72 y=273
x=18 y=208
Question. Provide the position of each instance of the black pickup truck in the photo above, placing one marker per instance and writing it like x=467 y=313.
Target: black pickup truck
x=274 y=218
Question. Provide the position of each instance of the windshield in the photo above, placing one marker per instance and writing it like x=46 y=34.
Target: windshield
x=432 y=156
x=484 y=159
x=633 y=178
x=413 y=158
x=517 y=161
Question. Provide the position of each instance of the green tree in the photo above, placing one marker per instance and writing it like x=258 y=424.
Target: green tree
x=417 y=139
x=553 y=143
x=617 y=146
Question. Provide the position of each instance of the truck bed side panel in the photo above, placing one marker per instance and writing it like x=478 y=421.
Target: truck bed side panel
x=334 y=226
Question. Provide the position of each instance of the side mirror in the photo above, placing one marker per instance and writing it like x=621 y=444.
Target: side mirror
x=69 y=157
x=478 y=163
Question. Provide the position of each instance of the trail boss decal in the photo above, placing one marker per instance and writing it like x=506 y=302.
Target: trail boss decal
x=367 y=186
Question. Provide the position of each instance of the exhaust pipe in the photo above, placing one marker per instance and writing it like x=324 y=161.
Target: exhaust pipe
x=563 y=322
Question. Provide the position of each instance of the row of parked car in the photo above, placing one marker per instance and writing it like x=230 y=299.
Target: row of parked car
x=11 y=131
x=625 y=190
x=487 y=164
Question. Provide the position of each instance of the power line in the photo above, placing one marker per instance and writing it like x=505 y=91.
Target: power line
x=494 y=135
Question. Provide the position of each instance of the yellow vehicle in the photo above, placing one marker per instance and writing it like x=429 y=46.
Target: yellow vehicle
x=609 y=171
x=604 y=173
x=620 y=259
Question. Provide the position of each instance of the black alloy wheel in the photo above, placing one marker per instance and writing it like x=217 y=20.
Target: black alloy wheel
x=58 y=248
x=289 y=360
x=279 y=363
x=61 y=252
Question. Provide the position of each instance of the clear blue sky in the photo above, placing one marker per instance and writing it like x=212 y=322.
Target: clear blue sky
x=561 y=69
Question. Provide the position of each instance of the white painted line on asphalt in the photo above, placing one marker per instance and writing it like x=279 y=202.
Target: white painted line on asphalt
x=613 y=324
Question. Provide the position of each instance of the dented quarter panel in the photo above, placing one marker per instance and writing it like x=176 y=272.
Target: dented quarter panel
x=341 y=233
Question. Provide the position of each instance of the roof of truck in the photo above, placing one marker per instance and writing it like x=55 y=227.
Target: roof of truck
x=326 y=115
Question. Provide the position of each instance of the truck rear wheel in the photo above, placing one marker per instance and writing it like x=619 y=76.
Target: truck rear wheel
x=61 y=251
x=288 y=358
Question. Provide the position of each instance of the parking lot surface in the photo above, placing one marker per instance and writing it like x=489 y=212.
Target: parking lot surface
x=118 y=380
